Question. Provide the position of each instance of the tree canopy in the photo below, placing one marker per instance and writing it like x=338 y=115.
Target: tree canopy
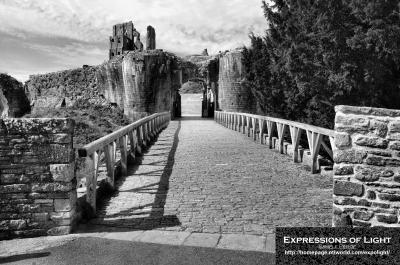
x=320 y=53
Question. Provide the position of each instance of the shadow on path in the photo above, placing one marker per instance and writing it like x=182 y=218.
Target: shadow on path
x=127 y=217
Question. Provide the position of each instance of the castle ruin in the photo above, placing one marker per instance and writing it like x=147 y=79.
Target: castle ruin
x=126 y=38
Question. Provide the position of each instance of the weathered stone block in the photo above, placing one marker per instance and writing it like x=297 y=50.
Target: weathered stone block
x=395 y=145
x=28 y=208
x=371 y=173
x=60 y=138
x=14 y=179
x=43 y=187
x=364 y=202
x=17 y=224
x=386 y=218
x=381 y=205
x=60 y=230
x=347 y=188
x=340 y=218
x=37 y=169
x=342 y=140
x=394 y=127
x=351 y=120
x=15 y=188
x=345 y=201
x=380 y=153
x=343 y=170
x=62 y=172
x=371 y=195
x=40 y=217
x=389 y=197
x=65 y=205
x=28 y=233
x=371 y=142
x=64 y=187
x=363 y=215
x=379 y=128
x=358 y=223
x=349 y=156
x=35 y=195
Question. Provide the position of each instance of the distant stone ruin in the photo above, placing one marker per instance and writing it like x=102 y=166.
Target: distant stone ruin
x=126 y=38
x=151 y=38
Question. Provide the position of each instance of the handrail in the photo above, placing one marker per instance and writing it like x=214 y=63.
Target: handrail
x=247 y=123
x=136 y=135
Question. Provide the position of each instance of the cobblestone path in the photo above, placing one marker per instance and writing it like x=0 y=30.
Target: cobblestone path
x=202 y=177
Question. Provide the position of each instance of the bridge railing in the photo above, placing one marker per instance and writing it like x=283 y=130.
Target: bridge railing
x=247 y=124
x=130 y=139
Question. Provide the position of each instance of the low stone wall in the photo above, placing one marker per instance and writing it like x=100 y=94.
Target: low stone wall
x=37 y=177
x=367 y=167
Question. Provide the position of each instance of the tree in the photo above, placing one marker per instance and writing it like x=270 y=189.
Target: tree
x=320 y=53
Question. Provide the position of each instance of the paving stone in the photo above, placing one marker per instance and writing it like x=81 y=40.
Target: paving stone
x=202 y=240
x=270 y=243
x=242 y=242
x=163 y=237
x=123 y=234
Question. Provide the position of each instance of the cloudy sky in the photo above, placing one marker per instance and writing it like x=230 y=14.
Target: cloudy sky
x=41 y=36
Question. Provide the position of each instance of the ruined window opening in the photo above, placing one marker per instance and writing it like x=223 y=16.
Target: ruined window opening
x=119 y=40
x=119 y=53
x=112 y=54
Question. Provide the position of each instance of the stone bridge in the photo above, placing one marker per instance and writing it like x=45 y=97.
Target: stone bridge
x=238 y=173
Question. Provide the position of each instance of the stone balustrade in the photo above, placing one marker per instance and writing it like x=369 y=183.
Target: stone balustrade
x=37 y=177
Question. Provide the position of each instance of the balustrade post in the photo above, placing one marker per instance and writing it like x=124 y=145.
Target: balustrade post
x=281 y=133
x=248 y=125
x=123 y=146
x=110 y=162
x=243 y=124
x=261 y=123
x=132 y=143
x=295 y=134
x=254 y=124
x=314 y=141
x=270 y=127
x=92 y=162
x=139 y=139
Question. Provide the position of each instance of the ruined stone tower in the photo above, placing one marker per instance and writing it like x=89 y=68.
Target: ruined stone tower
x=151 y=38
x=124 y=38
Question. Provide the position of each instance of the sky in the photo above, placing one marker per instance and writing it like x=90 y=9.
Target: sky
x=42 y=36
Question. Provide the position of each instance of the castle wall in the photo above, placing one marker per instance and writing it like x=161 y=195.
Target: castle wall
x=232 y=94
x=63 y=88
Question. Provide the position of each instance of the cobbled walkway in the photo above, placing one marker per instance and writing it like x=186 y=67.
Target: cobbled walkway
x=202 y=177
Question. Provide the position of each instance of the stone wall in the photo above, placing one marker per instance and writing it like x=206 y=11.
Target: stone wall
x=232 y=94
x=63 y=88
x=367 y=167
x=37 y=179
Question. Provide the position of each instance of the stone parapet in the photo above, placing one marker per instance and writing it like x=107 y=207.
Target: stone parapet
x=367 y=167
x=37 y=177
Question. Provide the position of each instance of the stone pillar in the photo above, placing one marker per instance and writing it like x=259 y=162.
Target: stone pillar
x=37 y=177
x=367 y=167
x=233 y=95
